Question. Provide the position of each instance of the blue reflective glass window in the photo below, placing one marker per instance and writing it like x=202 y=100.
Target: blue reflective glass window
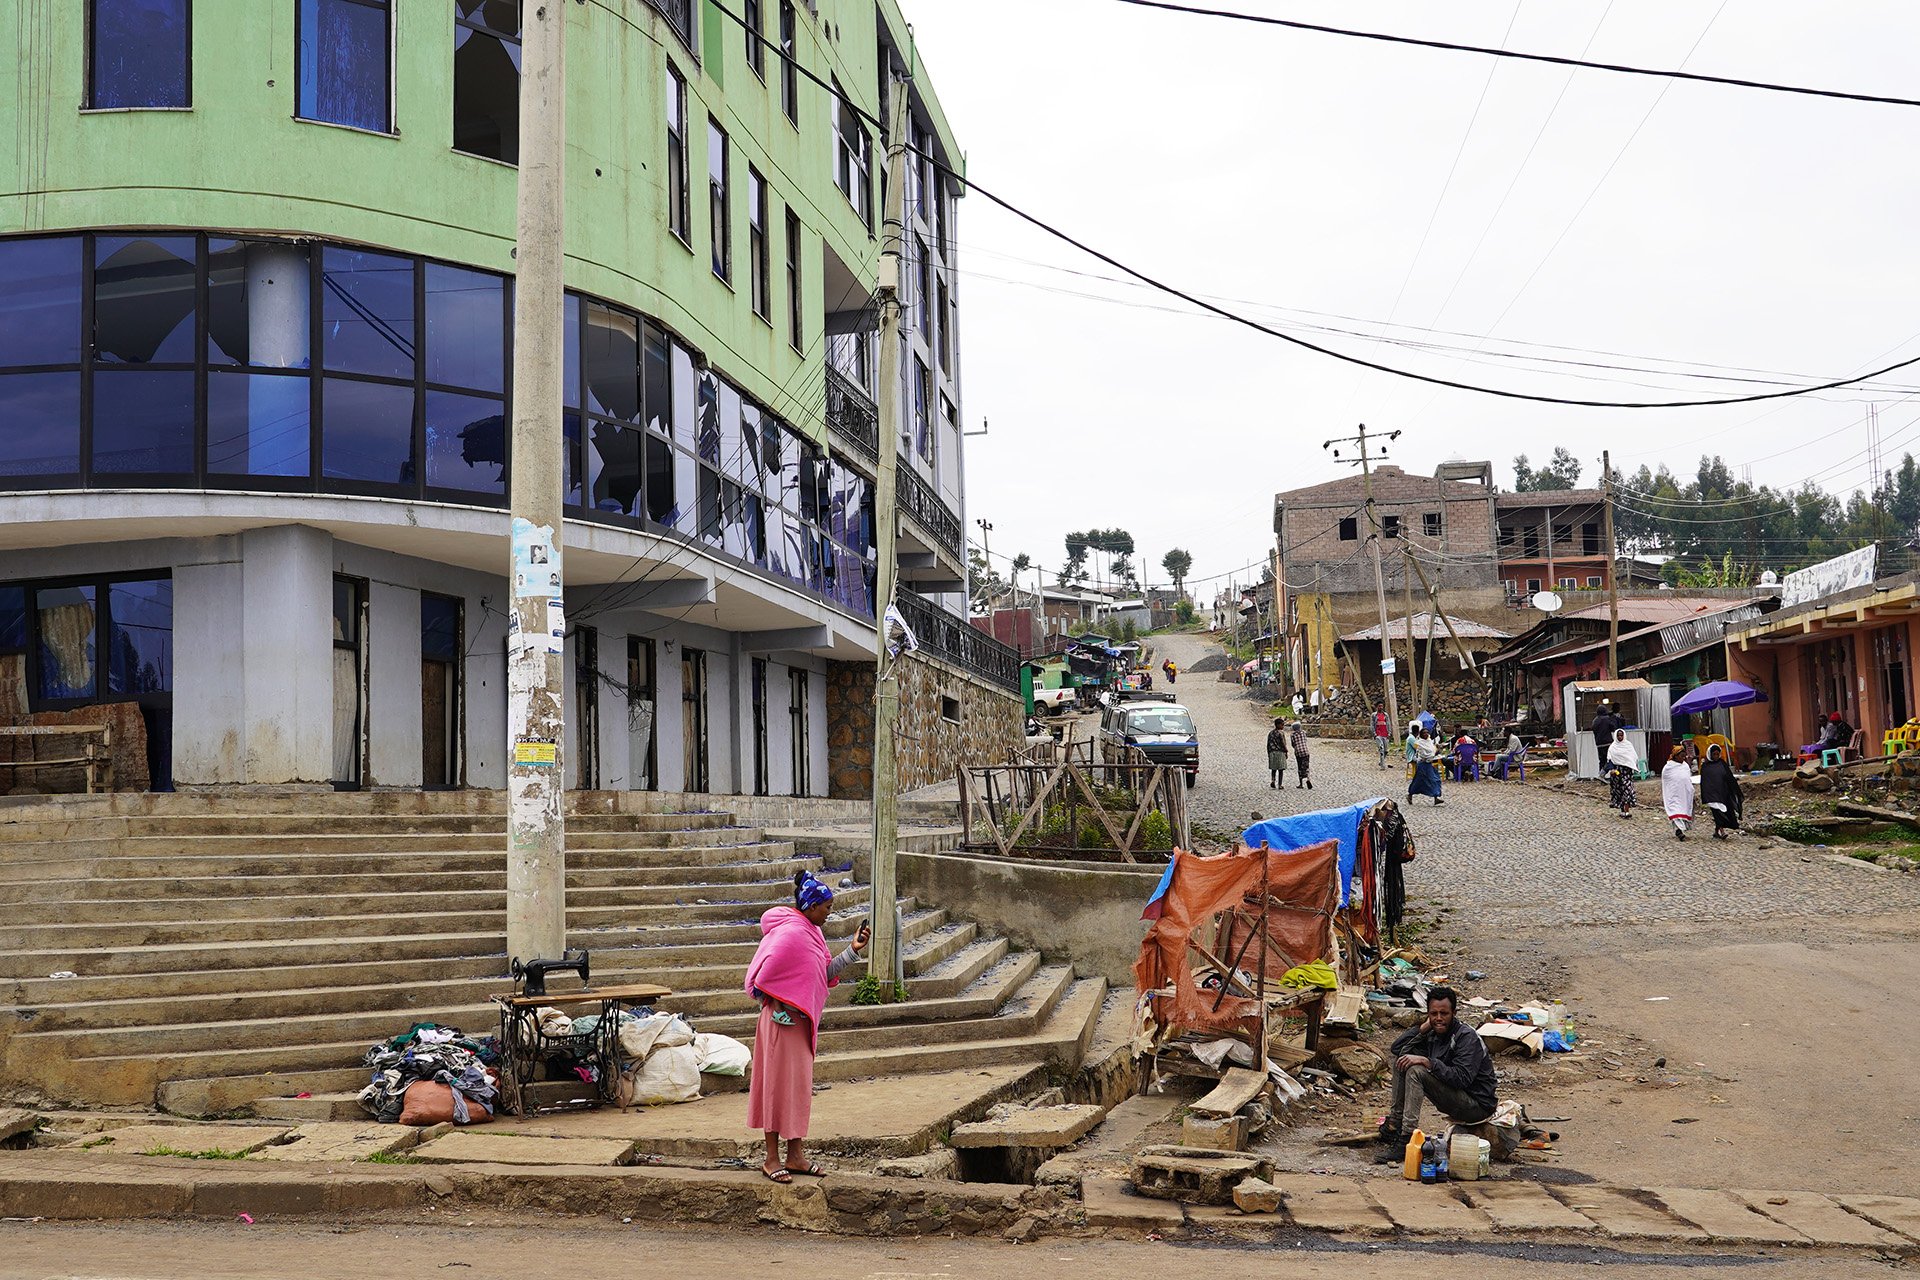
x=257 y=424
x=367 y=312
x=138 y=54
x=143 y=299
x=344 y=63
x=140 y=636
x=710 y=518
x=40 y=301
x=39 y=424
x=13 y=619
x=366 y=432
x=661 y=507
x=466 y=443
x=439 y=627
x=571 y=356
x=572 y=459
x=257 y=311
x=466 y=328
x=613 y=463
x=656 y=373
x=65 y=641
x=142 y=423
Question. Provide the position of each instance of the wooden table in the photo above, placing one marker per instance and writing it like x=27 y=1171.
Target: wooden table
x=524 y=1046
x=97 y=757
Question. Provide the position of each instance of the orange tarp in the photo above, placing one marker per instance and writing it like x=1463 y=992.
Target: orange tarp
x=1303 y=891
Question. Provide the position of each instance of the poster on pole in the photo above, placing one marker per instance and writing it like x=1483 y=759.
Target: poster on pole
x=536 y=560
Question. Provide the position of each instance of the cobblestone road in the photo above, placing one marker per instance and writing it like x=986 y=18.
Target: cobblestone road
x=1521 y=854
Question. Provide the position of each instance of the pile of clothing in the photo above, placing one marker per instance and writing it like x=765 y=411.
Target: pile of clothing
x=431 y=1074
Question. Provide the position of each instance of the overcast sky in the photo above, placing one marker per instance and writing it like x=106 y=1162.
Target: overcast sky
x=1630 y=221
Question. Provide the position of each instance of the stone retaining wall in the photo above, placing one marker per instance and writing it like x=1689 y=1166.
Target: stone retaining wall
x=947 y=719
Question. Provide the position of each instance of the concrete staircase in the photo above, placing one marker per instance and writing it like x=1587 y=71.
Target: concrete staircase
x=232 y=954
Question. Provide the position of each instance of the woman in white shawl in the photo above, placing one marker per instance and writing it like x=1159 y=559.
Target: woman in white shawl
x=1676 y=792
x=1623 y=762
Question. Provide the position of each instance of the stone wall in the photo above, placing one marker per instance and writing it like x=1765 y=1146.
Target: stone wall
x=930 y=744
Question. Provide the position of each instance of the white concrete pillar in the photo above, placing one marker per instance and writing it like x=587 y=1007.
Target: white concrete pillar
x=209 y=665
x=278 y=324
x=286 y=622
x=393 y=655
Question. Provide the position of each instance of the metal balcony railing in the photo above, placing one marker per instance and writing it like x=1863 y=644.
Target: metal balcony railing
x=953 y=639
x=852 y=417
x=924 y=506
x=679 y=15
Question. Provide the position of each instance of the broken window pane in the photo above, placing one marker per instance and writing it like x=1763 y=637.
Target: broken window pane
x=615 y=464
x=143 y=300
x=257 y=296
x=466 y=443
x=612 y=367
x=486 y=79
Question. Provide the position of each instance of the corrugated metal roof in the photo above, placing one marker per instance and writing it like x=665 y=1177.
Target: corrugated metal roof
x=1467 y=629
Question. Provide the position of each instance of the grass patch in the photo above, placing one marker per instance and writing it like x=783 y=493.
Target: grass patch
x=97 y=1142
x=390 y=1157
x=211 y=1153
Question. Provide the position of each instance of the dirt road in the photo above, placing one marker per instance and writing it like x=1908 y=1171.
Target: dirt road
x=514 y=1251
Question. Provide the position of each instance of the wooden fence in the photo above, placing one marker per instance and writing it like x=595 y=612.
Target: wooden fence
x=1005 y=808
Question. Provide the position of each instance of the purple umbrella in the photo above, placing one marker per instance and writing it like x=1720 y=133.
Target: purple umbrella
x=1711 y=697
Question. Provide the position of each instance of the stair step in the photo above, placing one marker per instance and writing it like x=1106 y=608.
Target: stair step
x=1059 y=1041
x=22 y=871
x=349 y=824
x=370 y=921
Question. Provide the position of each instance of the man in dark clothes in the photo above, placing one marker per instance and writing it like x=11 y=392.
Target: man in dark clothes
x=1442 y=1060
x=1603 y=726
x=1838 y=732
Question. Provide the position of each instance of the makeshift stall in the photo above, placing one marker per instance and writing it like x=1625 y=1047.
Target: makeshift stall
x=1268 y=912
x=1374 y=844
x=1642 y=708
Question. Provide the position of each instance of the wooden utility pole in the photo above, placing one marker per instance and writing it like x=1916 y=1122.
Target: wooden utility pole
x=1366 y=461
x=1433 y=600
x=884 y=954
x=536 y=778
x=1413 y=662
x=1613 y=568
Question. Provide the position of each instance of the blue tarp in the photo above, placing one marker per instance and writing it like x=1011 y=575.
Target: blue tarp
x=1299 y=830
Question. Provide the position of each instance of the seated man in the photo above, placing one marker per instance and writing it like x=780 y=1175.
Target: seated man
x=1441 y=1059
x=1837 y=733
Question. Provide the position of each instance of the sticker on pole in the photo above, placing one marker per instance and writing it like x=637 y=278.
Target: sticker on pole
x=1386 y=666
x=534 y=753
x=536 y=560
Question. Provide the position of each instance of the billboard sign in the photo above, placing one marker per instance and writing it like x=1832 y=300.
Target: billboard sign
x=1829 y=577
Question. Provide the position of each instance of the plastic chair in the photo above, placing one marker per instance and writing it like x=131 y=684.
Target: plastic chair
x=1506 y=763
x=1466 y=759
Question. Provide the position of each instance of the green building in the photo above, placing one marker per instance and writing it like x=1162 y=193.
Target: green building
x=255 y=328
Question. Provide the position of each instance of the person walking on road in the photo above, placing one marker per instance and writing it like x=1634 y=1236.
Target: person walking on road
x=1277 y=752
x=1426 y=775
x=1676 y=793
x=1622 y=762
x=1301 y=754
x=1172 y=672
x=1380 y=736
x=1720 y=792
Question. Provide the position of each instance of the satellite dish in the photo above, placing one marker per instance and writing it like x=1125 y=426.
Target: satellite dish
x=1769 y=579
x=1547 y=601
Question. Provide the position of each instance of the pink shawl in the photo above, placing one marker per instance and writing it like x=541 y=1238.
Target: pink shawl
x=791 y=965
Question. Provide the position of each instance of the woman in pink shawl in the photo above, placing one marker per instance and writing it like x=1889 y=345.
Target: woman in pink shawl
x=789 y=976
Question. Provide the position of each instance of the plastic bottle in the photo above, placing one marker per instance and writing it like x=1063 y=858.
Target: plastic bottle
x=1410 y=1164
x=1441 y=1159
x=1428 y=1164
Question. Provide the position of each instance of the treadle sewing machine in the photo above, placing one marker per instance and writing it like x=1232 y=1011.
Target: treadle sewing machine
x=526 y=1047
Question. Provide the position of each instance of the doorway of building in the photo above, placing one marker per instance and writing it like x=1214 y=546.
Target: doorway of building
x=760 y=726
x=797 y=686
x=1890 y=656
x=693 y=716
x=442 y=694
x=643 y=709
x=586 y=708
x=349 y=682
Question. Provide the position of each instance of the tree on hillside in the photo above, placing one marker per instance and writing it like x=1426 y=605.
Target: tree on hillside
x=1563 y=472
x=1074 y=571
x=1177 y=562
x=1021 y=563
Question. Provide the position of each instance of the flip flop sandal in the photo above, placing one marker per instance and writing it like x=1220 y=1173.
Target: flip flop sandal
x=781 y=1176
x=811 y=1171
x=782 y=1018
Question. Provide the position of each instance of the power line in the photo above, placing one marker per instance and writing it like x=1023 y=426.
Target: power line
x=1196 y=300
x=1383 y=37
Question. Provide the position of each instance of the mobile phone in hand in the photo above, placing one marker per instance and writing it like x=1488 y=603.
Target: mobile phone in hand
x=866 y=933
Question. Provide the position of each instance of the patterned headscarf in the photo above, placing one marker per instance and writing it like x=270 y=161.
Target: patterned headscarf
x=811 y=893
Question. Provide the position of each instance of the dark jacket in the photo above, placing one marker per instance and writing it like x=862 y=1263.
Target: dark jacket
x=1459 y=1061
x=1603 y=726
x=1276 y=740
x=1837 y=733
x=1718 y=785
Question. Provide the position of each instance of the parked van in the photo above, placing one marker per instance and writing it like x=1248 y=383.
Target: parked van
x=1162 y=730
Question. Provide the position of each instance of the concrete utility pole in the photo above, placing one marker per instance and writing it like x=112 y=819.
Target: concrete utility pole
x=536 y=781
x=1613 y=569
x=884 y=951
x=1366 y=461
